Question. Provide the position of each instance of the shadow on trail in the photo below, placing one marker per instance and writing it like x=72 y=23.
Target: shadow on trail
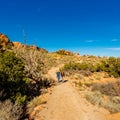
x=65 y=81
x=61 y=82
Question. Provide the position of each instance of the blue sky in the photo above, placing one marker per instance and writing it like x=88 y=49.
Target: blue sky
x=85 y=26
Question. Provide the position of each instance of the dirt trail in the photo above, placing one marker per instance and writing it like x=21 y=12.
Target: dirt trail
x=65 y=103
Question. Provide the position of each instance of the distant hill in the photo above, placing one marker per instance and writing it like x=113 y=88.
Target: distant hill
x=5 y=41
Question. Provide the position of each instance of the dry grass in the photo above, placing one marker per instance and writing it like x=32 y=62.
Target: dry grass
x=98 y=76
x=34 y=103
x=109 y=88
x=94 y=97
x=97 y=98
x=113 y=104
x=103 y=92
x=10 y=111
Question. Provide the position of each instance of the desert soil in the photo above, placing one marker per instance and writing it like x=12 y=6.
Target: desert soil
x=66 y=103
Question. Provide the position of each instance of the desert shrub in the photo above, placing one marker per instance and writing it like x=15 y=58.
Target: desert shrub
x=110 y=89
x=34 y=103
x=80 y=84
x=64 y=52
x=113 y=104
x=85 y=73
x=10 y=111
x=80 y=76
x=110 y=65
x=19 y=98
x=116 y=100
x=36 y=62
x=83 y=69
x=88 y=84
x=98 y=77
x=78 y=66
x=94 y=97
x=12 y=66
x=47 y=82
x=69 y=66
x=11 y=76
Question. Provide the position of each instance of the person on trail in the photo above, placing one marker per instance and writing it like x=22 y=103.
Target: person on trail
x=62 y=75
x=58 y=76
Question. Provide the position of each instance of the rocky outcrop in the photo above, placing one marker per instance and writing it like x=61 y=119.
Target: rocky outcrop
x=17 y=44
x=64 y=52
x=20 y=45
x=4 y=40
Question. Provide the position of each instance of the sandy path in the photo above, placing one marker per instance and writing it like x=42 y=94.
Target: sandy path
x=65 y=103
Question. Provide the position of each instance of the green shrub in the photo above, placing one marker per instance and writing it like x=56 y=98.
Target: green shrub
x=110 y=65
x=79 y=66
x=11 y=76
x=64 y=52
x=19 y=98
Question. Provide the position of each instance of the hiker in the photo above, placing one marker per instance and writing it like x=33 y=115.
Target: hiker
x=62 y=75
x=58 y=76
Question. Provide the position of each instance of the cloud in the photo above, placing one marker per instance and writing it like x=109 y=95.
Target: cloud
x=114 y=40
x=114 y=49
x=89 y=41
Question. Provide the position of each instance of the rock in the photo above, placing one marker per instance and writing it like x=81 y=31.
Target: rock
x=17 y=44
x=4 y=40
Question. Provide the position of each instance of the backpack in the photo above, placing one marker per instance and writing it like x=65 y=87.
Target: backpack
x=62 y=74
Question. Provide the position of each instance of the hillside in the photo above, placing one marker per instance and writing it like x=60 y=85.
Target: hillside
x=29 y=84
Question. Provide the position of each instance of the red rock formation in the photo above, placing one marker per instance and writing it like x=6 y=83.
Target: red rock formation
x=17 y=44
x=4 y=40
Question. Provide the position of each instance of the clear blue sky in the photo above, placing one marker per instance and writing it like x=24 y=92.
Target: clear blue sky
x=85 y=26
